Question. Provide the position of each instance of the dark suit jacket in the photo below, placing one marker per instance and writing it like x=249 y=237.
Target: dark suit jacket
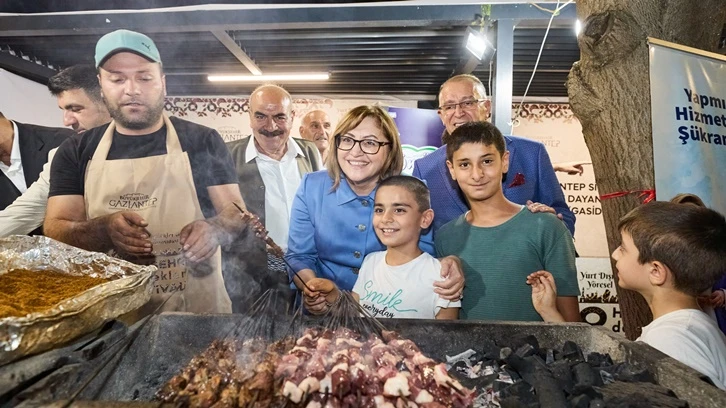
x=527 y=158
x=245 y=261
x=35 y=143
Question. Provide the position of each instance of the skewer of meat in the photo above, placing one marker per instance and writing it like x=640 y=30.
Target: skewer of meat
x=261 y=233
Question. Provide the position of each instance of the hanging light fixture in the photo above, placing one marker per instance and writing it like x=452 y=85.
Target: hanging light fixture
x=477 y=43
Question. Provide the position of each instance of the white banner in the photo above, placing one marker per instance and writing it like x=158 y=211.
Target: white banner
x=27 y=101
x=230 y=116
x=598 y=297
x=688 y=103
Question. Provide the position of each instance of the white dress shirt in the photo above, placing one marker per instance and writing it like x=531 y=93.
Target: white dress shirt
x=281 y=178
x=15 y=171
x=27 y=212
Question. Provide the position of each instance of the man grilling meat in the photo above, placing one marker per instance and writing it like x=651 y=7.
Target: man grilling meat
x=156 y=190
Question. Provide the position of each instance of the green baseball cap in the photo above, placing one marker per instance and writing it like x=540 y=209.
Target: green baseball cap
x=125 y=40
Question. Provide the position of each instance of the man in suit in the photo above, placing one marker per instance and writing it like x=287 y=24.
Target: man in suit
x=270 y=165
x=530 y=180
x=79 y=97
x=23 y=152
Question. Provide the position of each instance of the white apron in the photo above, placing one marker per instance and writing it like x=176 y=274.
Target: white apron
x=161 y=190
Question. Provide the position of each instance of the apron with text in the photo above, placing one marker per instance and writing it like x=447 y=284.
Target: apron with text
x=161 y=190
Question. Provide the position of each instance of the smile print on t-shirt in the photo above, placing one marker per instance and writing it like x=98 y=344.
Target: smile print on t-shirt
x=381 y=304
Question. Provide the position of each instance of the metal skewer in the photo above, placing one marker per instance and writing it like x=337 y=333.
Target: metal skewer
x=124 y=343
x=272 y=244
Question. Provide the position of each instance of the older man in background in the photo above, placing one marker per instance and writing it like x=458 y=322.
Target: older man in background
x=317 y=128
x=79 y=97
x=270 y=165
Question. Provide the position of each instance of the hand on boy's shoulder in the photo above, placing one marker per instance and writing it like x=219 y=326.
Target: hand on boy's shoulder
x=542 y=208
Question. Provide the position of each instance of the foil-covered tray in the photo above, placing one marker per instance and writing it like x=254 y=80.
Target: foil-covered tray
x=128 y=289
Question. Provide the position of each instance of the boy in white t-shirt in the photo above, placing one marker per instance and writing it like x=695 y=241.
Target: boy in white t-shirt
x=669 y=253
x=398 y=282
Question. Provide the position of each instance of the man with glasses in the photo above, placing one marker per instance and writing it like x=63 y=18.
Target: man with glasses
x=270 y=165
x=530 y=180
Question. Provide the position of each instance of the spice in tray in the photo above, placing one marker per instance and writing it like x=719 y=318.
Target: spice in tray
x=23 y=292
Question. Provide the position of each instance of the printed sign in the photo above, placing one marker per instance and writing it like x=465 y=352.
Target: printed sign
x=598 y=296
x=687 y=91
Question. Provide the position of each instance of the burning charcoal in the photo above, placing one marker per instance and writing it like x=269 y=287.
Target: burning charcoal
x=523 y=366
x=599 y=360
x=548 y=390
x=489 y=347
x=572 y=352
x=561 y=371
x=585 y=376
x=525 y=350
x=460 y=367
x=516 y=402
x=460 y=357
x=598 y=403
x=484 y=361
x=630 y=373
x=512 y=374
x=550 y=357
x=521 y=390
x=580 y=401
x=520 y=341
x=606 y=377
x=503 y=382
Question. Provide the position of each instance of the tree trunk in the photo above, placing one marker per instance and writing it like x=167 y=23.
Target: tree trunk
x=609 y=92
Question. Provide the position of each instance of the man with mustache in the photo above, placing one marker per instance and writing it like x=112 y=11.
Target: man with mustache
x=79 y=97
x=270 y=165
x=316 y=127
x=154 y=190
x=530 y=181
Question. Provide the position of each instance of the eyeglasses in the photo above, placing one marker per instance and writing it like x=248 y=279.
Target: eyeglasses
x=464 y=105
x=368 y=146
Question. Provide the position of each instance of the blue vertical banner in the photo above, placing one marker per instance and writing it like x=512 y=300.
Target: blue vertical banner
x=688 y=104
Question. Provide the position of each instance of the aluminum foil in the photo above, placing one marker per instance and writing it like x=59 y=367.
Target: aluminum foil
x=129 y=288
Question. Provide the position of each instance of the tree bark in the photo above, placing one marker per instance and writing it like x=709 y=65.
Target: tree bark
x=609 y=92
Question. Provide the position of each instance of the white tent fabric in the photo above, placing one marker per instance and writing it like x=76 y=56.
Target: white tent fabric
x=27 y=101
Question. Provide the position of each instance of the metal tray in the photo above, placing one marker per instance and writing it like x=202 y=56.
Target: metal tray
x=129 y=288
x=167 y=343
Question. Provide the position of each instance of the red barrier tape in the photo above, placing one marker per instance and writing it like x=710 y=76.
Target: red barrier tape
x=646 y=195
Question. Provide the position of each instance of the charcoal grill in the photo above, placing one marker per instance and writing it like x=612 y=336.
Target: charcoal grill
x=168 y=341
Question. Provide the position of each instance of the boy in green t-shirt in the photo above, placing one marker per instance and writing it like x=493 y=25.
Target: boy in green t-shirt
x=499 y=242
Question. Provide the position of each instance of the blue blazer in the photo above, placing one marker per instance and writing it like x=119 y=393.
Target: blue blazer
x=526 y=157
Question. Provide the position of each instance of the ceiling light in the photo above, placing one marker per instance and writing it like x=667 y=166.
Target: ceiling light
x=270 y=77
x=578 y=27
x=476 y=43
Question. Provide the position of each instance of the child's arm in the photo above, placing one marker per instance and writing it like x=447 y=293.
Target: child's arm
x=448 y=313
x=569 y=308
x=544 y=296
